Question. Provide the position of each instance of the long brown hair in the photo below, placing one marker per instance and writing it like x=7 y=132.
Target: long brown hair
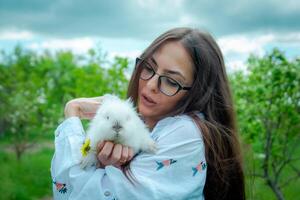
x=211 y=95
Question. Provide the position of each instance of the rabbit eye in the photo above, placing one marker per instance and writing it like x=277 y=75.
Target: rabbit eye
x=107 y=117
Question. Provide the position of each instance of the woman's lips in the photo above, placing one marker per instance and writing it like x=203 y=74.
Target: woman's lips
x=147 y=101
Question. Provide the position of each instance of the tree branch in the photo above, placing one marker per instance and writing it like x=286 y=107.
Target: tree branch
x=289 y=180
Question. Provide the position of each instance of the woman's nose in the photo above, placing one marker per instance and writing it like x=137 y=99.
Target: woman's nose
x=152 y=83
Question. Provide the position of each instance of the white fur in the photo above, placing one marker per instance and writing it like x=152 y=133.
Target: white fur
x=132 y=131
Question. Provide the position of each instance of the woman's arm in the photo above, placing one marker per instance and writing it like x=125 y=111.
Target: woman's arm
x=177 y=171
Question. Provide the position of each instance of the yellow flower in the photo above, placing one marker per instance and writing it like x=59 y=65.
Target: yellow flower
x=86 y=147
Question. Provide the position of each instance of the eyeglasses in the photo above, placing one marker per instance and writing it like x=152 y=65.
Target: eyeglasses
x=166 y=85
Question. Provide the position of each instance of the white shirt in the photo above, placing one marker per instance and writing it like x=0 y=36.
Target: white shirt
x=177 y=171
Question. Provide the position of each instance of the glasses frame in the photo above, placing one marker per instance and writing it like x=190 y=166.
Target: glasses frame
x=140 y=61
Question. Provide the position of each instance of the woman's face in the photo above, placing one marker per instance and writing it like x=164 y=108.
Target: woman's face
x=170 y=60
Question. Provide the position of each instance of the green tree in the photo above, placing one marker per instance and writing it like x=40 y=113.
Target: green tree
x=34 y=89
x=267 y=96
x=20 y=99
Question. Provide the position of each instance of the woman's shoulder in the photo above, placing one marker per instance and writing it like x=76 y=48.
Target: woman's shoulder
x=178 y=121
x=180 y=125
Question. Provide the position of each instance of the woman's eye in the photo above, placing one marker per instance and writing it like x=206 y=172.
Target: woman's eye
x=148 y=69
x=171 y=82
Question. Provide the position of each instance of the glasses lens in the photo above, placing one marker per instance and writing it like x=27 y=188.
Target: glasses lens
x=147 y=71
x=168 y=86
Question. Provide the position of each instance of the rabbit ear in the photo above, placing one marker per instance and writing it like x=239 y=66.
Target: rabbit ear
x=130 y=102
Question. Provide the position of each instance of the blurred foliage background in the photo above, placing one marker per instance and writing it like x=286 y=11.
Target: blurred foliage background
x=34 y=87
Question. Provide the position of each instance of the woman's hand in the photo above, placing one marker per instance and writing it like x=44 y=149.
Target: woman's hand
x=109 y=153
x=84 y=108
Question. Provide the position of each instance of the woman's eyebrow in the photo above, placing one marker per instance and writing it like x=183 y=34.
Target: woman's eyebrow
x=175 y=73
x=169 y=71
x=153 y=60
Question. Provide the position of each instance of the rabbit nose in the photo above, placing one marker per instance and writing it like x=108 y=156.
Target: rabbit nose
x=117 y=127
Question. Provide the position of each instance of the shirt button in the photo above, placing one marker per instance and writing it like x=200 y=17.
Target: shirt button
x=107 y=193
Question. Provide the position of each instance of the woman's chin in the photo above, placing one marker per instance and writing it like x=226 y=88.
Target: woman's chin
x=144 y=111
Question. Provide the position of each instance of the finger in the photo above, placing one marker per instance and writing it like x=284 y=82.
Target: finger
x=130 y=154
x=116 y=155
x=100 y=146
x=124 y=155
x=106 y=151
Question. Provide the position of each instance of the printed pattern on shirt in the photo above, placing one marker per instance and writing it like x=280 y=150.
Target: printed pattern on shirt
x=200 y=167
x=165 y=163
x=61 y=187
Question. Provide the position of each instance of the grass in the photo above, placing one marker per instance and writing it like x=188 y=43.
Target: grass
x=30 y=177
x=257 y=188
x=261 y=191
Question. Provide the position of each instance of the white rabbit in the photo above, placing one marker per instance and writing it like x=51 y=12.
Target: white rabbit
x=116 y=120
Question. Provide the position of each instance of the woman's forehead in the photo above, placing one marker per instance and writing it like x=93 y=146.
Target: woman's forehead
x=173 y=56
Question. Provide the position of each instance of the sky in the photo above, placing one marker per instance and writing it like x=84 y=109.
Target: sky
x=127 y=27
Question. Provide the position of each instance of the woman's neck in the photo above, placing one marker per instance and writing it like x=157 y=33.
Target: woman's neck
x=150 y=123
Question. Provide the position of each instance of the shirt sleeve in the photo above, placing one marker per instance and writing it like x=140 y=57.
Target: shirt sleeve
x=176 y=171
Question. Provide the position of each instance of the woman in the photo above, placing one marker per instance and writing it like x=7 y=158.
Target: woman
x=181 y=90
